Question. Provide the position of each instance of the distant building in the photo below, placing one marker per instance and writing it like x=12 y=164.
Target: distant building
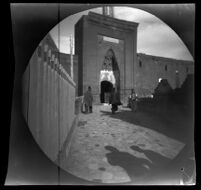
x=105 y=57
x=106 y=48
x=148 y=70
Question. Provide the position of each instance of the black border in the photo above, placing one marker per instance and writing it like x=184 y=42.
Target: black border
x=9 y=83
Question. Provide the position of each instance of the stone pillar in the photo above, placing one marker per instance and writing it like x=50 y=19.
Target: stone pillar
x=59 y=104
x=61 y=113
x=52 y=107
x=66 y=106
x=39 y=94
x=49 y=110
x=45 y=100
x=55 y=140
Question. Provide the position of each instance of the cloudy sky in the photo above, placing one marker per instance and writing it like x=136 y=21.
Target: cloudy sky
x=154 y=36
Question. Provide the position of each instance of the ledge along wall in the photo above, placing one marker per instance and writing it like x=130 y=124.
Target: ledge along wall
x=48 y=100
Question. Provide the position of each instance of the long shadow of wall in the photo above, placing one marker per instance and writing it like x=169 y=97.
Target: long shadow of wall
x=184 y=96
x=169 y=125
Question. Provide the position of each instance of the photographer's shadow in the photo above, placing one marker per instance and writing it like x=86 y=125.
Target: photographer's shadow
x=134 y=166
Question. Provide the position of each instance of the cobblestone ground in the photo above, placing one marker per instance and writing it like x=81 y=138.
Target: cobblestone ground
x=108 y=150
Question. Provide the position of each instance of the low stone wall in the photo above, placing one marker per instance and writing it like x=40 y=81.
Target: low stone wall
x=156 y=104
x=48 y=101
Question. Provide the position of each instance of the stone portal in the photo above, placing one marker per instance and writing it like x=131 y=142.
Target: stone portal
x=109 y=76
x=106 y=49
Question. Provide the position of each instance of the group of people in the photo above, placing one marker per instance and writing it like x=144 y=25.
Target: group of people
x=114 y=100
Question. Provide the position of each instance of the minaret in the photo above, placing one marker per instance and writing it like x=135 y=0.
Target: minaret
x=108 y=11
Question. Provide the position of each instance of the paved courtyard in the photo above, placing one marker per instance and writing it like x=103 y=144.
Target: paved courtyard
x=108 y=149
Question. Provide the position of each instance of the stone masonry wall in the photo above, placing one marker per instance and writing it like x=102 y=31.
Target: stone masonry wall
x=149 y=69
x=48 y=100
x=90 y=55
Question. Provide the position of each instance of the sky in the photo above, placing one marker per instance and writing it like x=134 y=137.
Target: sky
x=154 y=37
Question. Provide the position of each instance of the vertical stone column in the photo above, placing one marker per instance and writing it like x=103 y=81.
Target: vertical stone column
x=52 y=110
x=45 y=102
x=64 y=106
x=49 y=106
x=63 y=113
x=67 y=105
x=60 y=107
x=55 y=140
x=64 y=110
x=39 y=93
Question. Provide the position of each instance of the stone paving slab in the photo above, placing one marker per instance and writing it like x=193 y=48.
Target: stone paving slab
x=87 y=157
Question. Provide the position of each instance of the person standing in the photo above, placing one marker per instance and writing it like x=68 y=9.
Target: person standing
x=114 y=101
x=133 y=100
x=88 y=100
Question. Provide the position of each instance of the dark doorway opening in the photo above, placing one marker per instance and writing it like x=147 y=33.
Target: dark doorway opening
x=106 y=88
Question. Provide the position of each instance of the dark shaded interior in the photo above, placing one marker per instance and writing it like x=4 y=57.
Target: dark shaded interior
x=106 y=88
x=163 y=88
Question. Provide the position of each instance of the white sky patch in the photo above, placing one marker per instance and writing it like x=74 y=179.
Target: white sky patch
x=154 y=36
x=161 y=40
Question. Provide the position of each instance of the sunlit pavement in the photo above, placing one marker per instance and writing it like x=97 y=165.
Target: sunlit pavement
x=107 y=149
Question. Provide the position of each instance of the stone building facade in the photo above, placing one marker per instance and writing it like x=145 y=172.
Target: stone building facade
x=106 y=48
x=104 y=59
x=48 y=98
x=150 y=70
x=102 y=41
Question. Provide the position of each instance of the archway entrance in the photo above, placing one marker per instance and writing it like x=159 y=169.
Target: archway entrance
x=106 y=88
x=109 y=76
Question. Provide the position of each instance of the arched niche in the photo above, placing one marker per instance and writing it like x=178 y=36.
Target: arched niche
x=110 y=71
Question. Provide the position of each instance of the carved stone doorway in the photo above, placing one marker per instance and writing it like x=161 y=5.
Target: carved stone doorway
x=106 y=89
x=109 y=73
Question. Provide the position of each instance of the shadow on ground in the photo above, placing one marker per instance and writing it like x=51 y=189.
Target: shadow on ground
x=134 y=166
x=171 y=123
x=156 y=158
